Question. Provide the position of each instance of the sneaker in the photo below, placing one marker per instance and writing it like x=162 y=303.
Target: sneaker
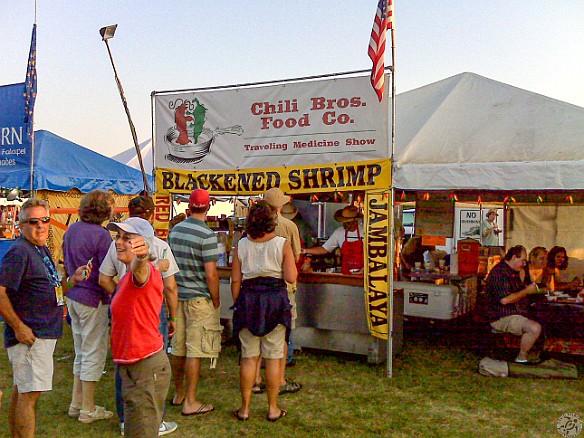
x=167 y=427
x=122 y=429
x=99 y=413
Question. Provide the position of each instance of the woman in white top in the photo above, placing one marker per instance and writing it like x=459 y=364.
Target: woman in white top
x=262 y=313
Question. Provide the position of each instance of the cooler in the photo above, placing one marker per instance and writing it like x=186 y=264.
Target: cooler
x=429 y=300
x=468 y=255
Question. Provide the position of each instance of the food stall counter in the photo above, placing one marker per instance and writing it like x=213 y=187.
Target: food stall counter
x=331 y=314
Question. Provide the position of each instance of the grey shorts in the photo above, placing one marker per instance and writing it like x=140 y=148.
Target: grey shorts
x=510 y=324
x=32 y=366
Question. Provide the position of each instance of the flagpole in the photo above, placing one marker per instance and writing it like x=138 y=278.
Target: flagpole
x=32 y=190
x=392 y=221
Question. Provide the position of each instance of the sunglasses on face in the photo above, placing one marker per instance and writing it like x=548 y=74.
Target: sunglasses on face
x=35 y=220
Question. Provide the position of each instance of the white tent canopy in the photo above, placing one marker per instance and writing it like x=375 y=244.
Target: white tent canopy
x=129 y=157
x=470 y=132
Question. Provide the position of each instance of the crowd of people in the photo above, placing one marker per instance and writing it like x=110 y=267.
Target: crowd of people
x=513 y=282
x=145 y=297
x=141 y=295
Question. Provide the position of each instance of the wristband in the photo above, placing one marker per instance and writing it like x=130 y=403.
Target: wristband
x=175 y=319
x=142 y=259
x=69 y=283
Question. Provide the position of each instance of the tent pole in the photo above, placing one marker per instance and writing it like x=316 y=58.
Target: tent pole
x=390 y=303
x=132 y=128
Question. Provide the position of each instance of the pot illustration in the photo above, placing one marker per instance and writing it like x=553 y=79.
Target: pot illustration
x=193 y=153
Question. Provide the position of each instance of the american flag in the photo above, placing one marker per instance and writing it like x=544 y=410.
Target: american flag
x=30 y=84
x=383 y=21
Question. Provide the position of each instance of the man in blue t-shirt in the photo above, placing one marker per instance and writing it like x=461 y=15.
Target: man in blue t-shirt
x=33 y=316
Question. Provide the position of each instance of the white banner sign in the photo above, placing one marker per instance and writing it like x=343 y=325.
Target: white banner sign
x=324 y=121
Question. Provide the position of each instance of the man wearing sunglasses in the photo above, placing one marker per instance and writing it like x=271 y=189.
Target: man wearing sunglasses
x=34 y=319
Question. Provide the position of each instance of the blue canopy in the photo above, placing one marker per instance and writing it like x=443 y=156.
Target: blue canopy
x=62 y=165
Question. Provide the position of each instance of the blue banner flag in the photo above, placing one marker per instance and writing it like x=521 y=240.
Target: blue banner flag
x=30 y=88
x=15 y=144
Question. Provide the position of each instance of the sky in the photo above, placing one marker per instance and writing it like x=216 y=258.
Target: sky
x=172 y=44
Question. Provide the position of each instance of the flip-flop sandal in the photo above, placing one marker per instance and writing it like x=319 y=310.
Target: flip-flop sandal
x=283 y=413
x=240 y=417
x=199 y=411
x=290 y=388
x=258 y=388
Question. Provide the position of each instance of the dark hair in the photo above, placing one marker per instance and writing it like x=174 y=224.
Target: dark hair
x=96 y=207
x=260 y=220
x=177 y=220
x=515 y=251
x=141 y=206
x=551 y=262
x=199 y=210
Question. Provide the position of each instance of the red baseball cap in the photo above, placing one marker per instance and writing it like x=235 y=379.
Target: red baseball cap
x=199 y=198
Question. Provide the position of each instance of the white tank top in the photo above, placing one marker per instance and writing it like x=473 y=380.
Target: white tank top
x=261 y=259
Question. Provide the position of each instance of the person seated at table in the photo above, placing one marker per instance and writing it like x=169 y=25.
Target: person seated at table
x=534 y=271
x=557 y=270
x=412 y=252
x=507 y=303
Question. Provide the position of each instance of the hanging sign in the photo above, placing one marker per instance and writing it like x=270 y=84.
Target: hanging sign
x=376 y=275
x=293 y=123
x=360 y=175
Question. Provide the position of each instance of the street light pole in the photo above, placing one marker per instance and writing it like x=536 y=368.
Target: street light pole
x=107 y=33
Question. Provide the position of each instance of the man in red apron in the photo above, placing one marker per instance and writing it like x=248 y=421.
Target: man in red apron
x=349 y=238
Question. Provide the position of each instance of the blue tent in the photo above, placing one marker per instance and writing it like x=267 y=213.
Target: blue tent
x=61 y=165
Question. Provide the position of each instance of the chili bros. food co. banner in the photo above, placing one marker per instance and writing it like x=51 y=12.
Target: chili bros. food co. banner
x=294 y=123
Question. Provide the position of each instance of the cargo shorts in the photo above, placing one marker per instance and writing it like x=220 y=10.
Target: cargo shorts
x=198 y=330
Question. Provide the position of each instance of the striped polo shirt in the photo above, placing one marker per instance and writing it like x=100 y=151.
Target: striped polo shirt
x=193 y=244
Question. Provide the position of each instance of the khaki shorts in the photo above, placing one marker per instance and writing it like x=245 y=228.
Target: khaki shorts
x=270 y=346
x=198 y=330
x=510 y=324
x=32 y=366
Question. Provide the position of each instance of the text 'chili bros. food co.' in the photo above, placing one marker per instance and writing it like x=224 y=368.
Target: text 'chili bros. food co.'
x=292 y=124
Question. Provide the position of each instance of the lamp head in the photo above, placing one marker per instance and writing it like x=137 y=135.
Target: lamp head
x=108 y=32
x=13 y=195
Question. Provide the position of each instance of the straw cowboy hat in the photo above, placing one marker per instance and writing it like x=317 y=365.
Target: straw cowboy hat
x=289 y=211
x=347 y=214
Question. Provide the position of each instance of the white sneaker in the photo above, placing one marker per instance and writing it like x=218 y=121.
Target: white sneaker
x=122 y=429
x=167 y=427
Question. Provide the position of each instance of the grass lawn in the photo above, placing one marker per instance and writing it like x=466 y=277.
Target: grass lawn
x=436 y=391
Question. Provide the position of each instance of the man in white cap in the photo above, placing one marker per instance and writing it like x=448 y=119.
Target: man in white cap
x=276 y=198
x=490 y=233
